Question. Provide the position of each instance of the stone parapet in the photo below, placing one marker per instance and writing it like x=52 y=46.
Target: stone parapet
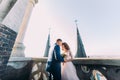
x=34 y=68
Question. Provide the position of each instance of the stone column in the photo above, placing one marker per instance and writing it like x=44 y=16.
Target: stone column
x=18 y=50
x=5 y=7
x=14 y=19
x=25 y=20
x=0 y=1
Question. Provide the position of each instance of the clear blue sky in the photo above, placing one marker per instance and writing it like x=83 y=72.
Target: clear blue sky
x=98 y=21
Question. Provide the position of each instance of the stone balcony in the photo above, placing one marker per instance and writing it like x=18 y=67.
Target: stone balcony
x=34 y=68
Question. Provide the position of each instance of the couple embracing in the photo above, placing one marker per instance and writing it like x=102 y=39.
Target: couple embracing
x=60 y=65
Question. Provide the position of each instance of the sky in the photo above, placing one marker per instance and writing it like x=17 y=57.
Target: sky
x=98 y=23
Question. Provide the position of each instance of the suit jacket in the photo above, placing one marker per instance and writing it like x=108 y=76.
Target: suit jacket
x=55 y=59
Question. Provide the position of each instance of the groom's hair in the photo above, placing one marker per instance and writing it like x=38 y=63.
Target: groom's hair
x=59 y=40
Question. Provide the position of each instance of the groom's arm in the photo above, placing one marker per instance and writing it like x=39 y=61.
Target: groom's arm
x=58 y=56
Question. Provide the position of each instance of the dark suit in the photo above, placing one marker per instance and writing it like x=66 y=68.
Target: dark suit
x=55 y=63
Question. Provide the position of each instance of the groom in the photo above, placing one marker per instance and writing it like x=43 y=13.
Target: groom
x=54 y=61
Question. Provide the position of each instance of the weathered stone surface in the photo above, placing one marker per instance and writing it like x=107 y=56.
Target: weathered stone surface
x=30 y=71
x=11 y=73
x=5 y=7
x=17 y=20
x=7 y=39
x=14 y=19
x=0 y=1
x=35 y=69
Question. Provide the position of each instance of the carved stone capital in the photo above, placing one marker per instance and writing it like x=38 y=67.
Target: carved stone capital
x=33 y=2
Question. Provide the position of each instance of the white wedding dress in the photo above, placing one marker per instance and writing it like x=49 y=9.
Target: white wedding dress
x=68 y=71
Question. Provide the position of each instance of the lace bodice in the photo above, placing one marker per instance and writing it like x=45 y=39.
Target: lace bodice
x=68 y=55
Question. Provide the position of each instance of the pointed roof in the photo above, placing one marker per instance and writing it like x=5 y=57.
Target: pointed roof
x=47 y=47
x=80 y=47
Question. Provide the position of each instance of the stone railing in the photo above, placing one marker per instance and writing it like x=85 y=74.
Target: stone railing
x=34 y=68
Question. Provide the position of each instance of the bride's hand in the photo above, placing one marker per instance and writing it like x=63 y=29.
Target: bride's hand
x=65 y=60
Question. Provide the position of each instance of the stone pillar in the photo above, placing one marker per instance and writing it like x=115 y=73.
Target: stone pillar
x=5 y=7
x=25 y=20
x=18 y=50
x=0 y=1
x=14 y=19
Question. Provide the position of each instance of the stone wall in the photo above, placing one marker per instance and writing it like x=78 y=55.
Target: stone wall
x=7 y=39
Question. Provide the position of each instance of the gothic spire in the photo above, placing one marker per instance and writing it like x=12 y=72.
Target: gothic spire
x=80 y=47
x=47 y=46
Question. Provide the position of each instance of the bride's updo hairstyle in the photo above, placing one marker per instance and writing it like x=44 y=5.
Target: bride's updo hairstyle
x=66 y=46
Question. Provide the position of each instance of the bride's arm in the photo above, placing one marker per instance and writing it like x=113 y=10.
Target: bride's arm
x=68 y=60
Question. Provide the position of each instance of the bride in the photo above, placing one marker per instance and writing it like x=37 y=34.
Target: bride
x=68 y=71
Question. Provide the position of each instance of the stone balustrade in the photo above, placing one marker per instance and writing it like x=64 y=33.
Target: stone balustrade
x=34 y=68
